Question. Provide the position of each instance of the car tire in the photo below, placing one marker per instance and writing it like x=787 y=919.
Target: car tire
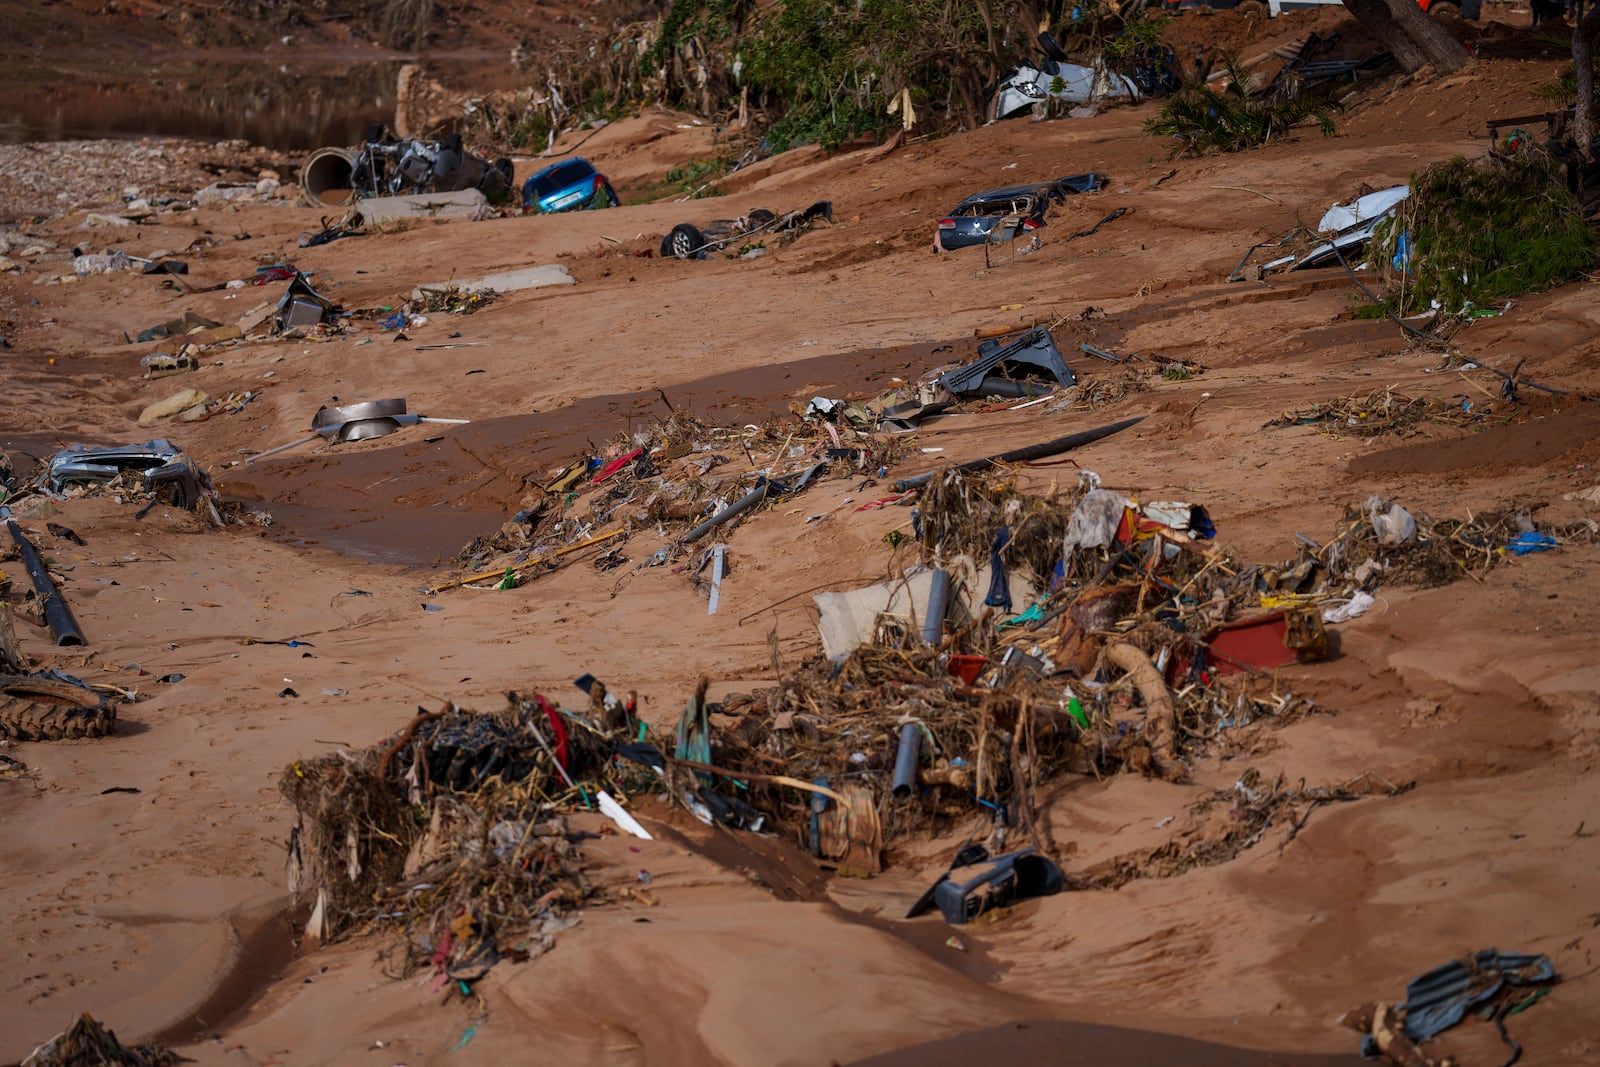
x=684 y=242
x=1051 y=47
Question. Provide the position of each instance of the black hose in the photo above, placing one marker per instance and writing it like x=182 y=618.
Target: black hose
x=1030 y=452
x=63 y=627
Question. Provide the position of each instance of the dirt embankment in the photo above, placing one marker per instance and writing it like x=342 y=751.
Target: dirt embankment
x=150 y=909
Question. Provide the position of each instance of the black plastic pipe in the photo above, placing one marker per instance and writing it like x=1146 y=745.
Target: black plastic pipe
x=1023 y=455
x=63 y=627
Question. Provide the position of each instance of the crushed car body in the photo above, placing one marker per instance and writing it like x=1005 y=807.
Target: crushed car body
x=690 y=241
x=1004 y=214
x=166 y=470
x=383 y=165
x=1341 y=234
x=1055 y=77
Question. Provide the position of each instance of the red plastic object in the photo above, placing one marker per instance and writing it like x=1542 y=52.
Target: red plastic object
x=617 y=464
x=1250 y=645
x=967 y=668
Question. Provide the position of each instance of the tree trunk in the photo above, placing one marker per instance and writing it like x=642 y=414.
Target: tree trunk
x=1414 y=39
x=1583 y=38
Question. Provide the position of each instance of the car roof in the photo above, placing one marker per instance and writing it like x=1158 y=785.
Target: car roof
x=578 y=160
x=1038 y=188
x=1008 y=192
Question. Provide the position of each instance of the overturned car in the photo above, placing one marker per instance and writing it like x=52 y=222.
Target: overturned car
x=1056 y=77
x=383 y=165
x=688 y=241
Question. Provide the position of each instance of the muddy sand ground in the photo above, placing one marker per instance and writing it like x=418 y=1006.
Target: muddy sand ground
x=164 y=912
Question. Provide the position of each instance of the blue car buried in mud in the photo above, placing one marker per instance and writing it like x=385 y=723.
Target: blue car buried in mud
x=571 y=185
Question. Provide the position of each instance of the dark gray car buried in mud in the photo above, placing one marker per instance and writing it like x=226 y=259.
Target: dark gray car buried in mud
x=997 y=215
x=687 y=241
x=162 y=465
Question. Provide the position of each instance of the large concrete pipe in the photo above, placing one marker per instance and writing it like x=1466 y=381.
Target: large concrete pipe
x=325 y=179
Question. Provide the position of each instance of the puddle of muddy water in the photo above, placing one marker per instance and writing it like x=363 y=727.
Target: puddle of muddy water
x=1037 y=1043
x=285 y=105
x=438 y=494
x=266 y=945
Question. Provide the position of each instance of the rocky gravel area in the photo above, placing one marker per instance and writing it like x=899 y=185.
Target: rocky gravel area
x=50 y=179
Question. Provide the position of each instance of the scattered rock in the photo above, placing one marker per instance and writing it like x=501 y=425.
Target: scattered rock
x=178 y=404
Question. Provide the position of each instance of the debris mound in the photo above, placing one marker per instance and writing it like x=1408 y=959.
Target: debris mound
x=1139 y=646
x=88 y=1043
x=447 y=832
x=1382 y=411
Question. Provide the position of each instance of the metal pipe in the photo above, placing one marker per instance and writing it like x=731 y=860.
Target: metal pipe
x=63 y=627
x=1029 y=452
x=732 y=511
x=905 y=760
x=938 y=605
x=282 y=448
x=1099 y=353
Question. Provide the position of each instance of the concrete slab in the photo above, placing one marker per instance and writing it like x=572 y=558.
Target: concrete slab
x=466 y=204
x=509 y=281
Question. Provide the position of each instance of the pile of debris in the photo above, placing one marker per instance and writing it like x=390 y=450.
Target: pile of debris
x=384 y=167
x=661 y=478
x=450 y=832
x=1387 y=410
x=1143 y=646
x=88 y=1043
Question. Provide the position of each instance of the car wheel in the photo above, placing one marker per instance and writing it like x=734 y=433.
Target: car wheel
x=1051 y=47
x=684 y=242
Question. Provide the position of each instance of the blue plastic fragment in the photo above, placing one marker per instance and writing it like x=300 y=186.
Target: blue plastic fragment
x=1531 y=541
x=1033 y=614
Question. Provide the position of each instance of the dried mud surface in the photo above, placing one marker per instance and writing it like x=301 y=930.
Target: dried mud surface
x=160 y=912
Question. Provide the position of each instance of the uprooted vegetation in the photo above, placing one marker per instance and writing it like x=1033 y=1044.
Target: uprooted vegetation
x=807 y=71
x=1475 y=232
x=1389 y=410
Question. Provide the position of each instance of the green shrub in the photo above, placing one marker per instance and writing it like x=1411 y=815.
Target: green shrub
x=1206 y=120
x=1481 y=231
x=693 y=178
